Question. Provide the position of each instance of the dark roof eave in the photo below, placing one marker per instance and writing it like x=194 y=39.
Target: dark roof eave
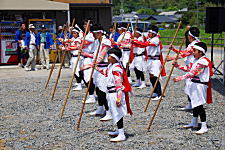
x=90 y=5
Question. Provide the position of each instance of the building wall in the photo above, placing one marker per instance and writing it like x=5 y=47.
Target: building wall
x=99 y=15
x=105 y=16
x=32 y=5
x=61 y=18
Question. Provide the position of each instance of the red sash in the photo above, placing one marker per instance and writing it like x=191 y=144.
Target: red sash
x=131 y=54
x=209 y=89
x=127 y=89
x=163 y=73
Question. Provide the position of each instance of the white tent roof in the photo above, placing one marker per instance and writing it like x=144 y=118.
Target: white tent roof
x=32 y=5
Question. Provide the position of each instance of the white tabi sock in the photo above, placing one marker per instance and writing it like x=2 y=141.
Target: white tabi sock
x=203 y=129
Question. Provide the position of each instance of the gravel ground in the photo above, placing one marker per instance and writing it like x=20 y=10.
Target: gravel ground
x=30 y=120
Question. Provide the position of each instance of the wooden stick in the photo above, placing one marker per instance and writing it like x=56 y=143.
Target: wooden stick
x=165 y=86
x=125 y=32
x=72 y=25
x=114 y=31
x=50 y=73
x=163 y=65
x=85 y=98
x=60 y=68
x=59 y=73
x=53 y=65
x=73 y=75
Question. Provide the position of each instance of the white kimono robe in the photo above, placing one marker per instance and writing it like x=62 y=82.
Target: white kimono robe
x=197 y=91
x=153 y=66
x=139 y=61
x=121 y=111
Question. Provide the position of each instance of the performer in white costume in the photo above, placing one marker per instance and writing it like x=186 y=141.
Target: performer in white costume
x=154 y=62
x=88 y=48
x=74 y=46
x=124 y=42
x=187 y=54
x=117 y=92
x=99 y=79
x=139 y=63
x=199 y=89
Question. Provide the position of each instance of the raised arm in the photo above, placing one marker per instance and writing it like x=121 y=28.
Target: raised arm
x=194 y=72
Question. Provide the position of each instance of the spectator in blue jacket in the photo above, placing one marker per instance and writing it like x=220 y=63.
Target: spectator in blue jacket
x=45 y=45
x=113 y=35
x=60 y=39
x=60 y=36
x=31 y=42
x=19 y=33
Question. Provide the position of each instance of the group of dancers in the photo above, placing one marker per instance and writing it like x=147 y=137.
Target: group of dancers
x=122 y=51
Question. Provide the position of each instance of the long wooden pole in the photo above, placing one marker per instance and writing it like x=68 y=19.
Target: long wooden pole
x=72 y=25
x=125 y=32
x=165 y=86
x=114 y=31
x=73 y=75
x=89 y=84
x=53 y=65
x=163 y=65
x=60 y=68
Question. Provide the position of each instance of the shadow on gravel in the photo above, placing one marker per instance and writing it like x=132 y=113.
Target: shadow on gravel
x=179 y=108
x=217 y=85
x=181 y=124
x=129 y=135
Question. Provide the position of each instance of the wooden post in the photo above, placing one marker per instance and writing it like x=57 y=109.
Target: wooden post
x=163 y=65
x=74 y=71
x=89 y=83
x=165 y=86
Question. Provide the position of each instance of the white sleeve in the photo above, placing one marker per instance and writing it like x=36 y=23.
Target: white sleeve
x=118 y=69
x=90 y=37
x=203 y=62
x=127 y=36
x=155 y=41
x=106 y=42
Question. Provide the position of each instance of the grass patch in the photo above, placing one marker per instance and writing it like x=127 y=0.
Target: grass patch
x=204 y=37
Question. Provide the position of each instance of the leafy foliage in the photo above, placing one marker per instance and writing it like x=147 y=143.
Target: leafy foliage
x=194 y=16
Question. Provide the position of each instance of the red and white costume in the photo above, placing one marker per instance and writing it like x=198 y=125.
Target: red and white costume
x=117 y=88
x=99 y=79
x=125 y=45
x=199 y=74
x=75 y=44
x=153 y=51
x=139 y=57
x=188 y=60
x=187 y=53
x=88 y=48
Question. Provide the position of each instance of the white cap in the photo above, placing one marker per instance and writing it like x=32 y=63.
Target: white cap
x=31 y=26
x=60 y=27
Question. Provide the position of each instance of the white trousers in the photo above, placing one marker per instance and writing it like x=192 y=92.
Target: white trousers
x=44 y=55
x=32 y=56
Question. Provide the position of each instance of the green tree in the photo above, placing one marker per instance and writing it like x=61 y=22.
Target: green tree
x=146 y=11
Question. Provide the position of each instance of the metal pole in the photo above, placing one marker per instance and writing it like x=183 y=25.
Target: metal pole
x=212 y=43
x=224 y=63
